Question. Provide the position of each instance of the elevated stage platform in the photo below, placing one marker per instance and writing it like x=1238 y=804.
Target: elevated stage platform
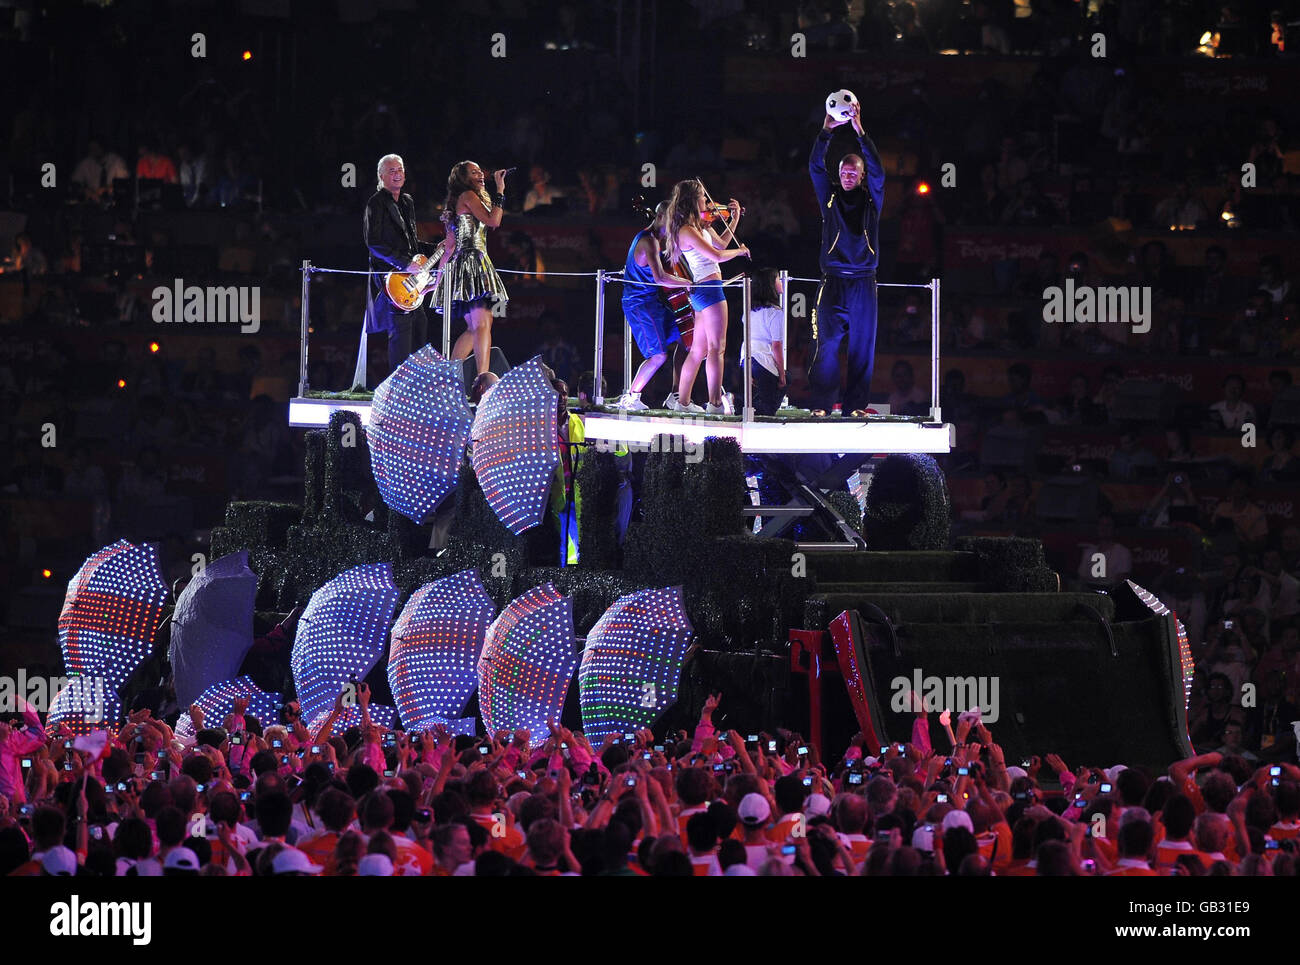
x=309 y=413
x=875 y=434
x=810 y=457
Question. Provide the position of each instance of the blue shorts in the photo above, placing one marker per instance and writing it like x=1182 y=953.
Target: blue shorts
x=652 y=324
x=706 y=293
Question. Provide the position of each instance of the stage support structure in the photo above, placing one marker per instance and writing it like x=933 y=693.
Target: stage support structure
x=303 y=386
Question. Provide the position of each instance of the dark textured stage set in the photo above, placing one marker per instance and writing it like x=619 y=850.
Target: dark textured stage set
x=813 y=632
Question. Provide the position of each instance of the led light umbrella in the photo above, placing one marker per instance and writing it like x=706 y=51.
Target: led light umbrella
x=436 y=643
x=111 y=610
x=419 y=427
x=527 y=663
x=342 y=634
x=515 y=448
x=86 y=704
x=218 y=702
x=632 y=662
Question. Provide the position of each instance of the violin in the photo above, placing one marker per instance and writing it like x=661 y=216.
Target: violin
x=712 y=212
x=717 y=212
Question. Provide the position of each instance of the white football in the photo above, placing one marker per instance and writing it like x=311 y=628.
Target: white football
x=838 y=104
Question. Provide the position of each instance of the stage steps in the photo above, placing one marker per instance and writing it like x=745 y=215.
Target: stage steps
x=1092 y=694
x=959 y=608
x=867 y=566
x=903 y=587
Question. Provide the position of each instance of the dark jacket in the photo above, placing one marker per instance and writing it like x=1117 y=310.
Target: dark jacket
x=390 y=236
x=850 y=223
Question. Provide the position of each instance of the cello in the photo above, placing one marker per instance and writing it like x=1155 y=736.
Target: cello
x=676 y=300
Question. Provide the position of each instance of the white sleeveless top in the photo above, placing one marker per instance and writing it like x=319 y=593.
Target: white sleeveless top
x=700 y=266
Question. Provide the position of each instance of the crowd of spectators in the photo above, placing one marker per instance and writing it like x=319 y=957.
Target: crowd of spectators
x=219 y=142
x=273 y=799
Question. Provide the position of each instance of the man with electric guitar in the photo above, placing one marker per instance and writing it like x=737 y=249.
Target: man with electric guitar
x=394 y=303
x=654 y=323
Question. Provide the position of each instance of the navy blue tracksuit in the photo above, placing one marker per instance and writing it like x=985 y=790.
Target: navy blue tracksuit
x=849 y=255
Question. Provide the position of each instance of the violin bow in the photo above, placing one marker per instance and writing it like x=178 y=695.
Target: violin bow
x=731 y=229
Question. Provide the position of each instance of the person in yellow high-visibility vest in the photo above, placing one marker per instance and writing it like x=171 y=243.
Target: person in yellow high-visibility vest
x=566 y=495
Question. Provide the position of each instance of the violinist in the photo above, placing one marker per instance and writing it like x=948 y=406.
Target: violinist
x=691 y=235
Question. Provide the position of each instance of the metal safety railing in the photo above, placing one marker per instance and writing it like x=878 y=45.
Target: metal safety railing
x=604 y=277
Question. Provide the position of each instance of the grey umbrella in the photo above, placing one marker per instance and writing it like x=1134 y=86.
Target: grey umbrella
x=212 y=626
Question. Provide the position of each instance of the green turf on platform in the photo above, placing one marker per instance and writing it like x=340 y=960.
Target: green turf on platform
x=791 y=415
x=364 y=395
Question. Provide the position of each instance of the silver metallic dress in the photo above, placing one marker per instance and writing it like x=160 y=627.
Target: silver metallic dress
x=474 y=282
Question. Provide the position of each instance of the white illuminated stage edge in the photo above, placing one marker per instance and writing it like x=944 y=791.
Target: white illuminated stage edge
x=843 y=436
x=837 y=436
x=315 y=413
x=846 y=437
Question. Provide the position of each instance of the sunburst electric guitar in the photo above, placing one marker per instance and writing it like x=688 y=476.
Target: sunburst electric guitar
x=406 y=289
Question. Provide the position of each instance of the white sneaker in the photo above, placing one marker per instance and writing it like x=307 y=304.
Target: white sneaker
x=712 y=409
x=631 y=401
x=689 y=407
x=728 y=403
x=671 y=401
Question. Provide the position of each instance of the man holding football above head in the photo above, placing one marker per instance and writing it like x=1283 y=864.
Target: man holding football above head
x=849 y=255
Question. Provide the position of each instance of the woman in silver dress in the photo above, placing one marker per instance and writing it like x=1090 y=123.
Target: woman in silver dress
x=475 y=285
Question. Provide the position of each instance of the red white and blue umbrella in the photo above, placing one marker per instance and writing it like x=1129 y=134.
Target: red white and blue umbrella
x=111 y=610
x=437 y=641
x=85 y=705
x=515 y=448
x=218 y=702
x=419 y=427
x=632 y=662
x=342 y=634
x=527 y=663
